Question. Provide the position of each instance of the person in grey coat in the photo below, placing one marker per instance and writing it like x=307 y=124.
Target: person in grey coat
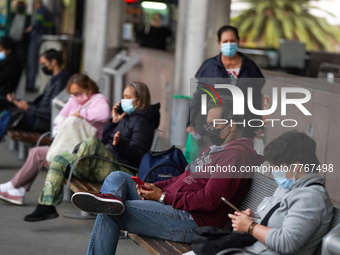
x=304 y=212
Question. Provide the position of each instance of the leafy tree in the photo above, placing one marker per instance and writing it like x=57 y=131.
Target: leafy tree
x=267 y=21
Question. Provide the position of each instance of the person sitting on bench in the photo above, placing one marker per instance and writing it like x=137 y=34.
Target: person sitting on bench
x=127 y=136
x=94 y=109
x=36 y=116
x=304 y=210
x=10 y=67
x=173 y=208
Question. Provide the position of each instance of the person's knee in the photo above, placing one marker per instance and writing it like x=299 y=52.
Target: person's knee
x=59 y=162
x=114 y=176
x=33 y=151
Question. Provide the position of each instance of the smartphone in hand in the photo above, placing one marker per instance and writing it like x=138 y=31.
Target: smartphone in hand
x=139 y=182
x=119 y=109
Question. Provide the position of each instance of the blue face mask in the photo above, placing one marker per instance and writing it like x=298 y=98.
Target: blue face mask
x=127 y=105
x=281 y=179
x=229 y=49
x=2 y=55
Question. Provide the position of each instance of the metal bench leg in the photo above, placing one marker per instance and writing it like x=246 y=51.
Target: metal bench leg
x=67 y=194
x=22 y=150
x=12 y=145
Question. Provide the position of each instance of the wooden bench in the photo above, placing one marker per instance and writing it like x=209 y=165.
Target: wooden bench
x=25 y=139
x=261 y=186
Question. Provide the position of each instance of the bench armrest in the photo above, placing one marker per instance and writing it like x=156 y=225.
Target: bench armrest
x=331 y=242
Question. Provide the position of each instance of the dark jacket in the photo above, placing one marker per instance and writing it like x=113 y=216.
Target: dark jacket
x=200 y=193
x=10 y=73
x=214 y=68
x=41 y=107
x=136 y=134
x=43 y=23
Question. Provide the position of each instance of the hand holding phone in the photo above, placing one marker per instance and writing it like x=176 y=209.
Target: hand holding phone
x=119 y=109
x=230 y=204
x=139 y=182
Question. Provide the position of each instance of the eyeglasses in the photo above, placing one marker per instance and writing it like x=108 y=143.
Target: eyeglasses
x=208 y=127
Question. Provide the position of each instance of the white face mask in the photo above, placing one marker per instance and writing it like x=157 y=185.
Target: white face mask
x=127 y=105
x=2 y=55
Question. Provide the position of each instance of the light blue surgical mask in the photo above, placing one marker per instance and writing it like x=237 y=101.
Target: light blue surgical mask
x=127 y=105
x=281 y=179
x=2 y=55
x=229 y=49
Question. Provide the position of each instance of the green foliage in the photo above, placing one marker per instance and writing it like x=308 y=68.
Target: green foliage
x=268 y=21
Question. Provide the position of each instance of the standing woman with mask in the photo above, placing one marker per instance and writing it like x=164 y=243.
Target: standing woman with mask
x=36 y=116
x=228 y=67
x=127 y=136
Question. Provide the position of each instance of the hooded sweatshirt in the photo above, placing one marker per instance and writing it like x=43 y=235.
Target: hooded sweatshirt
x=200 y=193
x=298 y=225
x=136 y=134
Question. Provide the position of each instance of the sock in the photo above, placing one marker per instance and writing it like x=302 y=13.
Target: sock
x=17 y=192
x=5 y=187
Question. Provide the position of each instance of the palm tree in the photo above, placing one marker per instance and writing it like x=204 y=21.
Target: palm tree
x=267 y=21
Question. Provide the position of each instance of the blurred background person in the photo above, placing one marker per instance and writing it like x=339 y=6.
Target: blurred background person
x=42 y=24
x=155 y=35
x=20 y=22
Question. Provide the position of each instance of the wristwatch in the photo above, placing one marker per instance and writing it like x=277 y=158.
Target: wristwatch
x=161 y=199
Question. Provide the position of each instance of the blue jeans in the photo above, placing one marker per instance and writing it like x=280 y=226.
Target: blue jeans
x=142 y=217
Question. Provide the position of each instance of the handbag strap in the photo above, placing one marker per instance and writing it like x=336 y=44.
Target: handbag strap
x=265 y=220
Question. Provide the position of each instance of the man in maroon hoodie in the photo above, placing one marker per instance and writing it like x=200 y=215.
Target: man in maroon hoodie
x=171 y=209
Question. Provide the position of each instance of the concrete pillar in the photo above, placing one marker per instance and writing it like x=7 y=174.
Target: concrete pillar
x=218 y=16
x=102 y=30
x=191 y=43
x=198 y=23
x=95 y=34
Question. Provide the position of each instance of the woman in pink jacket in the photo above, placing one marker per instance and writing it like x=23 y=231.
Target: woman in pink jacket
x=83 y=92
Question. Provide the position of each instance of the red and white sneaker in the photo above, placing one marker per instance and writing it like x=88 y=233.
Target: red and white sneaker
x=18 y=200
x=98 y=203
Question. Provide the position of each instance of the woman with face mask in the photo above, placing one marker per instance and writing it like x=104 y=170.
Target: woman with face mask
x=302 y=209
x=85 y=103
x=127 y=136
x=228 y=67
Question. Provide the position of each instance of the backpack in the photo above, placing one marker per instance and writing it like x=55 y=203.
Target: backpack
x=162 y=165
x=5 y=118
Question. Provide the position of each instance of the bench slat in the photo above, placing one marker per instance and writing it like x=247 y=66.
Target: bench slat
x=160 y=247
x=29 y=137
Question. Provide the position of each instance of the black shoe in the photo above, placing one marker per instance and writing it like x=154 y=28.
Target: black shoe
x=42 y=212
x=98 y=203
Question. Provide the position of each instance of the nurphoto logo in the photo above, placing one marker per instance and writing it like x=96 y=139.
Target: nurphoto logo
x=239 y=103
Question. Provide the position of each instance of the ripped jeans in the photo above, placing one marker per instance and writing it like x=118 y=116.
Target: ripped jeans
x=142 y=217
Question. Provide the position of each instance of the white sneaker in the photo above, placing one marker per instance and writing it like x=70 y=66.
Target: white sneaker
x=18 y=200
x=5 y=187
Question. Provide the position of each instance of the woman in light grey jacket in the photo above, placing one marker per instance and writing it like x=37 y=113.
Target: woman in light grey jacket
x=304 y=210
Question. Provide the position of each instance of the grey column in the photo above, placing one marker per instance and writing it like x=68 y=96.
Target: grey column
x=102 y=30
x=198 y=22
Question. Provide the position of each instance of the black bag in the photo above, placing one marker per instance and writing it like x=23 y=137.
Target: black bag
x=210 y=240
x=162 y=165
